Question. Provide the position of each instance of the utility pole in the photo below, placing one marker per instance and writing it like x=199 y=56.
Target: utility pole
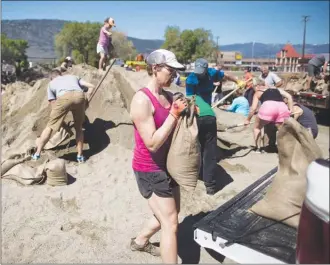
x=217 y=50
x=305 y=19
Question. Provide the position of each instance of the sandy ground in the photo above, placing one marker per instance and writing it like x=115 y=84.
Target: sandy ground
x=93 y=218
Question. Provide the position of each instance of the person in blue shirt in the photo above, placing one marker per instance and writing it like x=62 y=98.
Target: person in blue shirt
x=200 y=83
x=239 y=105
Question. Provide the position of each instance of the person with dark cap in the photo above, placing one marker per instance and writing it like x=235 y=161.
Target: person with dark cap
x=200 y=83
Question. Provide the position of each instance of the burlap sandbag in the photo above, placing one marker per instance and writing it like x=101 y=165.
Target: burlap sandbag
x=58 y=137
x=26 y=175
x=296 y=150
x=11 y=162
x=56 y=173
x=183 y=160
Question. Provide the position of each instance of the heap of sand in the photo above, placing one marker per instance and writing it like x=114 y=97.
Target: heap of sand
x=92 y=219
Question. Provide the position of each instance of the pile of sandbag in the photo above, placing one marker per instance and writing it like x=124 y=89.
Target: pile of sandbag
x=52 y=172
x=285 y=196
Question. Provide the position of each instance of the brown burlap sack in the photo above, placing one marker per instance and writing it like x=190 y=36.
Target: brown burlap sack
x=296 y=150
x=57 y=138
x=56 y=173
x=26 y=175
x=183 y=160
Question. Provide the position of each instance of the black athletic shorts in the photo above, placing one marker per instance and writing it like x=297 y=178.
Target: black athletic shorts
x=313 y=70
x=158 y=182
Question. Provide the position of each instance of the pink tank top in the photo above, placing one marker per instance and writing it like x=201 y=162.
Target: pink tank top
x=143 y=159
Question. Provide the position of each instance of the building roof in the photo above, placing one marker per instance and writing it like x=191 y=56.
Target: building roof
x=290 y=52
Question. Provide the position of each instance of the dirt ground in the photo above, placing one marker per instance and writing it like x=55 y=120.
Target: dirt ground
x=92 y=219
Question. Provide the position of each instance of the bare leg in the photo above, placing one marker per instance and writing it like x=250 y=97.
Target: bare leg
x=308 y=83
x=153 y=225
x=257 y=129
x=101 y=60
x=44 y=138
x=165 y=210
x=80 y=141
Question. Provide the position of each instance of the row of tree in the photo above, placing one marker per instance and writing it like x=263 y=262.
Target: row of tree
x=80 y=39
x=188 y=45
x=13 y=51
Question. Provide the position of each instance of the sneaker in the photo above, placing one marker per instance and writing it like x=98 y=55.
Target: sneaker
x=147 y=247
x=80 y=159
x=35 y=157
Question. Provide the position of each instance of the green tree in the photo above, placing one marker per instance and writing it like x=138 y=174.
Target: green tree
x=188 y=45
x=80 y=39
x=12 y=50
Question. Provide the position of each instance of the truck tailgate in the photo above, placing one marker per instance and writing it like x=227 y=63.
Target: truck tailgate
x=243 y=236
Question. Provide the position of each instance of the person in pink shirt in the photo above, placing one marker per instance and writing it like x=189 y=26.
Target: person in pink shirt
x=104 y=41
x=154 y=113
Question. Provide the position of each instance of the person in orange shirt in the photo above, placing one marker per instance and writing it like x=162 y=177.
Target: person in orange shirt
x=249 y=85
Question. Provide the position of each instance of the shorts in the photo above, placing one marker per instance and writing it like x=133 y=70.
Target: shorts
x=158 y=182
x=102 y=49
x=73 y=101
x=273 y=111
x=313 y=70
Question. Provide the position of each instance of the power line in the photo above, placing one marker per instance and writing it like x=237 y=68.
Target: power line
x=305 y=19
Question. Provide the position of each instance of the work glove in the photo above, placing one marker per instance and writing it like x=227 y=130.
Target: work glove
x=241 y=84
x=178 y=106
x=197 y=110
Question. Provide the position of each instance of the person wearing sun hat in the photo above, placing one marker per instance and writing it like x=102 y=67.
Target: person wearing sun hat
x=200 y=83
x=105 y=41
x=154 y=114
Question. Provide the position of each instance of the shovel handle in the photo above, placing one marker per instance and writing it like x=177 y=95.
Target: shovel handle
x=99 y=84
x=228 y=95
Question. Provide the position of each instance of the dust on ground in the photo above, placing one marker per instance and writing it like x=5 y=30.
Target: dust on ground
x=94 y=217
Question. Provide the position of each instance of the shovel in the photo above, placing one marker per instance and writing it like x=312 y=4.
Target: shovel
x=228 y=95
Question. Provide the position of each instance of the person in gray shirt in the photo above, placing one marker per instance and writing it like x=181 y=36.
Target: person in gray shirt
x=270 y=79
x=314 y=68
x=65 y=93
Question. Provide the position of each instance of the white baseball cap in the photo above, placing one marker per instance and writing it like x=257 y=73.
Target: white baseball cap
x=162 y=56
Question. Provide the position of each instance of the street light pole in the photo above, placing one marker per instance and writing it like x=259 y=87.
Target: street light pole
x=252 y=56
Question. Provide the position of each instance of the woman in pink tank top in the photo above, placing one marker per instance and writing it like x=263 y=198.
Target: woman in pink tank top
x=154 y=115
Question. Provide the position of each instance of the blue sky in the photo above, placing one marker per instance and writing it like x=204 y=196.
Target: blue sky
x=232 y=21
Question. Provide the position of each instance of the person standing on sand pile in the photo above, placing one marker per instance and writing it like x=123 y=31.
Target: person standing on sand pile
x=65 y=93
x=105 y=41
x=272 y=109
x=155 y=116
x=314 y=68
x=200 y=83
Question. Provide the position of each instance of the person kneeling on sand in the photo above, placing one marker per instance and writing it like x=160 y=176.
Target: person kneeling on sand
x=65 y=93
x=155 y=116
x=272 y=110
x=239 y=105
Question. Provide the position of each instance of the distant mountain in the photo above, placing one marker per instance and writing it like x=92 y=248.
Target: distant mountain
x=40 y=35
